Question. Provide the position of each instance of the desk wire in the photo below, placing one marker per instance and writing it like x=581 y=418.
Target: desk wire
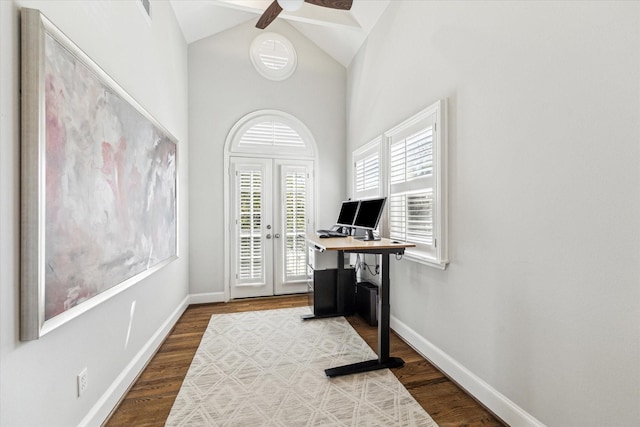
x=364 y=263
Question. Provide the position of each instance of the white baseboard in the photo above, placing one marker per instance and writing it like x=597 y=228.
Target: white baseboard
x=207 y=297
x=499 y=404
x=103 y=407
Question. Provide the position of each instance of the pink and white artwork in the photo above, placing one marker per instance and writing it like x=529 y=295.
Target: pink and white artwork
x=110 y=179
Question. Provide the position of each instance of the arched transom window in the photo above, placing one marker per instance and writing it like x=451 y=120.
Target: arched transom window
x=272 y=132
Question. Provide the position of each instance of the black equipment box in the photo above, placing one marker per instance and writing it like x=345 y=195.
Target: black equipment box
x=323 y=292
x=367 y=302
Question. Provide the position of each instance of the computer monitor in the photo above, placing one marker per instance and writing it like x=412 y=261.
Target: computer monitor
x=368 y=216
x=347 y=213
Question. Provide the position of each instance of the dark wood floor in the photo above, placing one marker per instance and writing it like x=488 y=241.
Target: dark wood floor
x=149 y=400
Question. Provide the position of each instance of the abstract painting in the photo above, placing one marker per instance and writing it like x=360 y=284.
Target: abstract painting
x=99 y=183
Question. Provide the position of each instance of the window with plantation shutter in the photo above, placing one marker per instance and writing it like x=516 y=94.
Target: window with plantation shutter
x=416 y=168
x=273 y=132
x=273 y=56
x=412 y=184
x=250 y=247
x=295 y=204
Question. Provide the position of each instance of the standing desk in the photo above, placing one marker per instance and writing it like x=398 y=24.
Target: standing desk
x=382 y=247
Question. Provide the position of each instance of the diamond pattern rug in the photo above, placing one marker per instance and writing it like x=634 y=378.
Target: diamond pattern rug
x=266 y=368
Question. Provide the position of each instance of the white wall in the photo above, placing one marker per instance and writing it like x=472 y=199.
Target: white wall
x=542 y=296
x=224 y=87
x=38 y=378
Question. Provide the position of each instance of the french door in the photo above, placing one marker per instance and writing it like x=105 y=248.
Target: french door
x=272 y=206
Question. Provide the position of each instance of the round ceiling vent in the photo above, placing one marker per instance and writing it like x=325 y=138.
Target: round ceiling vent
x=273 y=56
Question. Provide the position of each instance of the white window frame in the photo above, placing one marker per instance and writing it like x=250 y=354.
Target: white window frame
x=436 y=256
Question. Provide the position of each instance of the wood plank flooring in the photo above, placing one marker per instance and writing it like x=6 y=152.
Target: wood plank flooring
x=149 y=400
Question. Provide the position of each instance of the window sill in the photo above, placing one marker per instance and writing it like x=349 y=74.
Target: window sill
x=421 y=258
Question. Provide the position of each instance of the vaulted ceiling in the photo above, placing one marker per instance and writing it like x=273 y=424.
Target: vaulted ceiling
x=340 y=33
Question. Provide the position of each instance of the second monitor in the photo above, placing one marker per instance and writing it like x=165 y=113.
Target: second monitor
x=368 y=216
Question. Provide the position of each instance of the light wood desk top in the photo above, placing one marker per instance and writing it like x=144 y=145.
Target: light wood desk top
x=352 y=244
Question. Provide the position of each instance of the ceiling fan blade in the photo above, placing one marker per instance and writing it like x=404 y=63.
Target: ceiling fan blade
x=269 y=15
x=333 y=4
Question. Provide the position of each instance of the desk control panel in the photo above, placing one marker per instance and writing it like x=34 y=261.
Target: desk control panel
x=323 y=260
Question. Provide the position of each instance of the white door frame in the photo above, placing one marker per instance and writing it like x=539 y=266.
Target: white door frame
x=231 y=149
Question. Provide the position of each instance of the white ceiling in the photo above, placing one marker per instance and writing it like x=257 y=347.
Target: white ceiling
x=339 y=32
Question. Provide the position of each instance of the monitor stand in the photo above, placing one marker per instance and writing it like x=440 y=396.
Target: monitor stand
x=368 y=236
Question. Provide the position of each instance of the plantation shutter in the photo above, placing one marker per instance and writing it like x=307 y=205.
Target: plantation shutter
x=295 y=185
x=366 y=171
x=273 y=54
x=411 y=217
x=273 y=135
x=411 y=190
x=250 y=256
x=412 y=157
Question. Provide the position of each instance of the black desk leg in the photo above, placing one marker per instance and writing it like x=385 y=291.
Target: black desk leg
x=385 y=311
x=383 y=361
x=340 y=285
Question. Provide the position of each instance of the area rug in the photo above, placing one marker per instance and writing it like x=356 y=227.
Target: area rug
x=266 y=368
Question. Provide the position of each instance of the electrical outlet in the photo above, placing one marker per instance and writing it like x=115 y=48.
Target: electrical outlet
x=83 y=382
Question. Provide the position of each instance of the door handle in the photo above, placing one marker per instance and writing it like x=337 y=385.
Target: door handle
x=268 y=236
x=277 y=235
